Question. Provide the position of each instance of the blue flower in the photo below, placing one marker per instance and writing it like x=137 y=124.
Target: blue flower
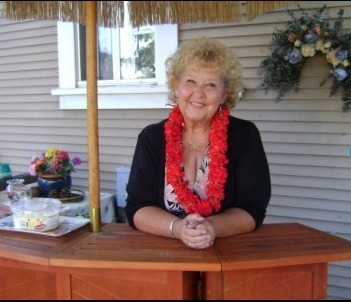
x=311 y=37
x=339 y=73
x=293 y=56
x=342 y=55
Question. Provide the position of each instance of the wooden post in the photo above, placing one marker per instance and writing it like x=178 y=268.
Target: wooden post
x=92 y=115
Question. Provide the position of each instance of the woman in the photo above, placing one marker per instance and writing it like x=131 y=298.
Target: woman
x=201 y=174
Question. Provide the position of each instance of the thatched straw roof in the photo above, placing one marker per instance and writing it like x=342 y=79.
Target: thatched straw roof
x=111 y=13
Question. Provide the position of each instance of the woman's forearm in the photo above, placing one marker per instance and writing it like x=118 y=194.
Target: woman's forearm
x=232 y=222
x=154 y=220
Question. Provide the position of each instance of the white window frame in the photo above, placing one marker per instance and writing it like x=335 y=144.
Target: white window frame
x=124 y=95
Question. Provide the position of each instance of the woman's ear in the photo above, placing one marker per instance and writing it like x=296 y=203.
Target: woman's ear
x=224 y=98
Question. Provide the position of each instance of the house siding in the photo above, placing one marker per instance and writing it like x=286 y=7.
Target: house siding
x=306 y=135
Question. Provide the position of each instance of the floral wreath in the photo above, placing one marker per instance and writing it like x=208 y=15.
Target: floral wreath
x=305 y=36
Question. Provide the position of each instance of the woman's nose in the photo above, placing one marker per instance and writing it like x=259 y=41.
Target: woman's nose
x=199 y=90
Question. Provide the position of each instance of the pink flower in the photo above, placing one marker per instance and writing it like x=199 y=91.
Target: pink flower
x=53 y=161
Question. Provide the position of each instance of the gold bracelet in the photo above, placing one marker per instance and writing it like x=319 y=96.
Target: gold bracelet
x=171 y=227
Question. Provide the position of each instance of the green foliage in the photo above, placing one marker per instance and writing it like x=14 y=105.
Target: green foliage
x=305 y=36
x=145 y=56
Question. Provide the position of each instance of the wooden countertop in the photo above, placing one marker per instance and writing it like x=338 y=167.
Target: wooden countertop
x=281 y=245
x=119 y=246
x=36 y=249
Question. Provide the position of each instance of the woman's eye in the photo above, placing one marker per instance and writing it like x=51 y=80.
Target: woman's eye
x=212 y=85
x=190 y=81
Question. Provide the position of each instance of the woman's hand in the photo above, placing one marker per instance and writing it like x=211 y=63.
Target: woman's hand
x=195 y=231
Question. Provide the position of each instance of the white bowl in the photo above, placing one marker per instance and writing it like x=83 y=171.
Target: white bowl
x=36 y=214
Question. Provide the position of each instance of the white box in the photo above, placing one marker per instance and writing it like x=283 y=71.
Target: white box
x=122 y=176
x=82 y=208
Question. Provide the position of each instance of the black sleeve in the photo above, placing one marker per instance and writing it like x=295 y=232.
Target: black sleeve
x=144 y=178
x=251 y=176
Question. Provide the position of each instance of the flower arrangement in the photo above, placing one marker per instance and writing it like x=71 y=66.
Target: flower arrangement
x=53 y=162
x=305 y=36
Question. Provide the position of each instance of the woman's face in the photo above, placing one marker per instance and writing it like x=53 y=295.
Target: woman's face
x=200 y=91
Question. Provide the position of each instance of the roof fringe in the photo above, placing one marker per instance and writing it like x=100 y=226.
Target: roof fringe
x=254 y=8
x=162 y=12
x=111 y=13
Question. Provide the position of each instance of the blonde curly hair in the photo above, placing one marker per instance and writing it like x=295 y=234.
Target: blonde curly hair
x=205 y=50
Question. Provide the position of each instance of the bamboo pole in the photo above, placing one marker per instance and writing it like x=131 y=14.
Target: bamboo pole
x=92 y=115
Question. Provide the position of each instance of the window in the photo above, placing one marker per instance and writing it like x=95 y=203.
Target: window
x=134 y=58
x=131 y=71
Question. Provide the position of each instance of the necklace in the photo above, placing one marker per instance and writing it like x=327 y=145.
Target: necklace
x=191 y=202
x=194 y=146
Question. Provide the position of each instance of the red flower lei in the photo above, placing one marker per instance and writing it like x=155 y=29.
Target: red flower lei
x=191 y=202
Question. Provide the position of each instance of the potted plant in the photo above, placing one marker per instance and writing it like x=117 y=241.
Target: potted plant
x=53 y=169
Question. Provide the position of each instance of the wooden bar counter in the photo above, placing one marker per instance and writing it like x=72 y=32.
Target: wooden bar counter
x=116 y=263
x=277 y=262
x=25 y=272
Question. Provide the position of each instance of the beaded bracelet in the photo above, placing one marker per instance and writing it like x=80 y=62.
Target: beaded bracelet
x=171 y=227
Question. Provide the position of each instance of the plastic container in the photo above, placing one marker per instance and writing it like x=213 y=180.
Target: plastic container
x=16 y=190
x=5 y=171
x=36 y=214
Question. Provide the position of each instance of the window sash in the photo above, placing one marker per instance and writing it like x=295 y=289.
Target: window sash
x=139 y=93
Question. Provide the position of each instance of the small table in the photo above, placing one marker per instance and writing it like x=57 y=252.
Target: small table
x=286 y=261
x=80 y=208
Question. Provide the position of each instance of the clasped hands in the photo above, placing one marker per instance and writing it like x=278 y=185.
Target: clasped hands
x=195 y=231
